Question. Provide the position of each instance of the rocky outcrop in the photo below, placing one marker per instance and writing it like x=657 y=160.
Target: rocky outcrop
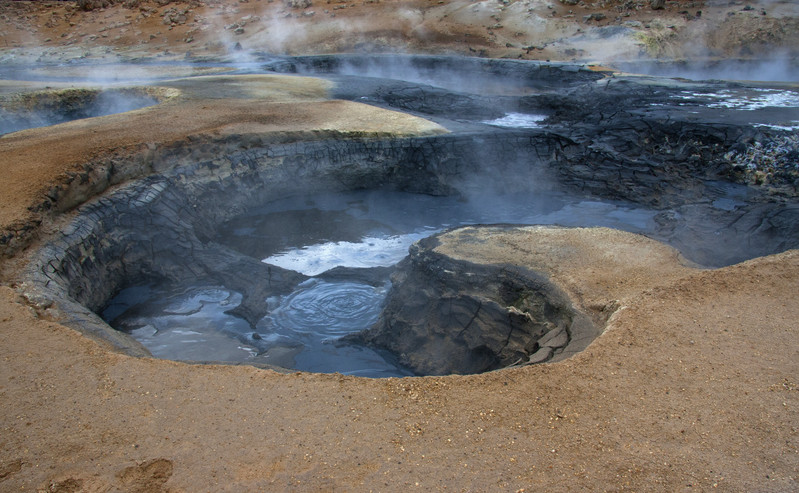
x=447 y=316
x=480 y=298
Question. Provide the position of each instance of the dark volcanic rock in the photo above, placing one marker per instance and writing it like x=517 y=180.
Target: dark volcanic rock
x=447 y=316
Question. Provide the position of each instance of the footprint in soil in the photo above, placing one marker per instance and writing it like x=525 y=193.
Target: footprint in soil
x=150 y=476
x=147 y=477
x=69 y=485
x=77 y=485
x=9 y=468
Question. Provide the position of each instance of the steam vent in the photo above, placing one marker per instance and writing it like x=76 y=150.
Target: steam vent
x=376 y=272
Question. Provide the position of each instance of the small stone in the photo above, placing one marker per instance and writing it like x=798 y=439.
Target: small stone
x=541 y=355
x=553 y=334
x=559 y=340
x=298 y=4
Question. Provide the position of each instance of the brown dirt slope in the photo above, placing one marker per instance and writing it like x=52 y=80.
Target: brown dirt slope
x=608 y=30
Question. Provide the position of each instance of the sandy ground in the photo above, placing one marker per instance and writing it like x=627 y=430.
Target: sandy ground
x=693 y=386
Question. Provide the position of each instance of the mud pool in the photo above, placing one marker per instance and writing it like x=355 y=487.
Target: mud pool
x=341 y=241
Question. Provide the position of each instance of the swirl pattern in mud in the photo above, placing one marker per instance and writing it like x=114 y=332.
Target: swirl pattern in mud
x=327 y=310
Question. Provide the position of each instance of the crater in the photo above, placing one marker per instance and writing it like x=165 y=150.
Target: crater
x=41 y=108
x=290 y=251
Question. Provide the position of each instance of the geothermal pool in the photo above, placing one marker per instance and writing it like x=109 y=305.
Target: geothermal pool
x=189 y=253
x=360 y=232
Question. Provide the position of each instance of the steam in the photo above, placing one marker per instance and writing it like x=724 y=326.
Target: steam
x=728 y=46
x=112 y=102
x=779 y=67
x=50 y=108
x=290 y=31
x=459 y=75
x=410 y=70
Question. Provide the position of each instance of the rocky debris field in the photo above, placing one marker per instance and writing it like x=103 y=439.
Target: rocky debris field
x=773 y=161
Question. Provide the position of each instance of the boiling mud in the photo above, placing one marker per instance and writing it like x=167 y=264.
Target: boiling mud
x=191 y=323
x=313 y=235
x=182 y=322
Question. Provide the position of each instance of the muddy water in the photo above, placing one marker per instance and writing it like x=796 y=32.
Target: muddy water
x=313 y=235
